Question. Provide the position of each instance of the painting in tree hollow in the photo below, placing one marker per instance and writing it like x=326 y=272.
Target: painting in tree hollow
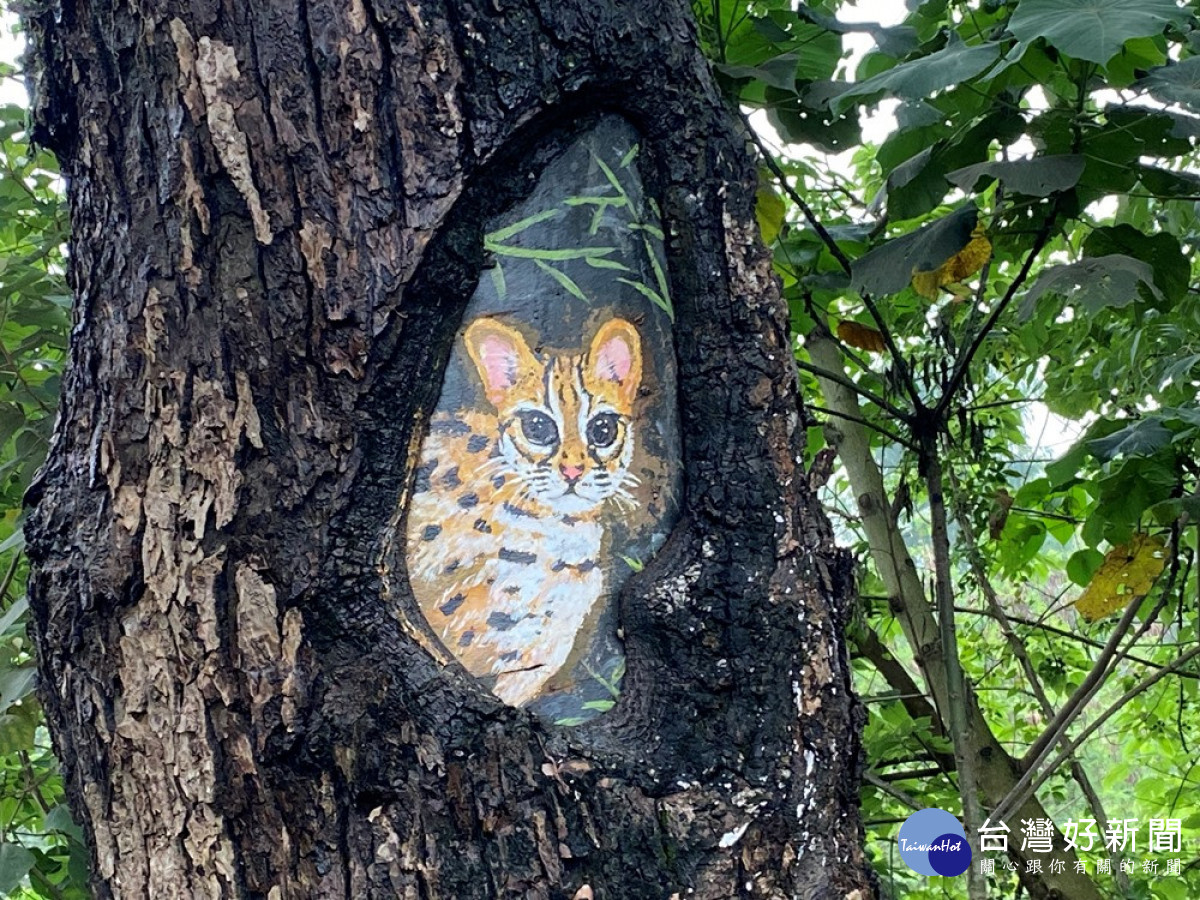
x=550 y=471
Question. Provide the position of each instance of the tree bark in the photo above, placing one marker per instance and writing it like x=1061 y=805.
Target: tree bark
x=277 y=212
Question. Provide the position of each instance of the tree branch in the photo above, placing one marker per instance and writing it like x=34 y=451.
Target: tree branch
x=843 y=260
x=864 y=422
x=1029 y=783
x=960 y=370
x=861 y=391
x=956 y=682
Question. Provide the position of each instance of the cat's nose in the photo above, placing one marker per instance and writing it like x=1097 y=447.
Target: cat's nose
x=571 y=473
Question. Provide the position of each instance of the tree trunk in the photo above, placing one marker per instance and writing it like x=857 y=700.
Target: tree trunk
x=277 y=212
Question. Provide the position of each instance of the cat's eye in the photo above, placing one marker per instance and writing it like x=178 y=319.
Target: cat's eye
x=538 y=428
x=602 y=430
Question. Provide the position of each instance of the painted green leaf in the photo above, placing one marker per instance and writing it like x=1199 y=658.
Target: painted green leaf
x=1037 y=177
x=954 y=63
x=599 y=262
x=650 y=294
x=545 y=253
x=503 y=234
x=1092 y=29
x=568 y=284
x=652 y=230
x=611 y=176
x=498 y=282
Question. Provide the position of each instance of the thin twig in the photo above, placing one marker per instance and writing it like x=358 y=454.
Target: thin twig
x=894 y=792
x=843 y=260
x=960 y=370
x=858 y=389
x=864 y=422
x=1071 y=708
x=1062 y=632
x=1030 y=783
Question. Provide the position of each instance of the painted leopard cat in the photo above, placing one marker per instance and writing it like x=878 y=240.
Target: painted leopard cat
x=505 y=534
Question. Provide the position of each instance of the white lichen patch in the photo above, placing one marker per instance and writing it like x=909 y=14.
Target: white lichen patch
x=729 y=838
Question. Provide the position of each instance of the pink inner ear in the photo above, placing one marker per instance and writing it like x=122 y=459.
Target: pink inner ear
x=499 y=358
x=614 y=360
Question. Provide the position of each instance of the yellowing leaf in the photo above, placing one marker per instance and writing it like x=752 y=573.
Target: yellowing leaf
x=927 y=283
x=861 y=336
x=1125 y=577
x=769 y=210
x=963 y=264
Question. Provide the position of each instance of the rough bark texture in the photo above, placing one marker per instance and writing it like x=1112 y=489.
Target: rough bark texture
x=276 y=212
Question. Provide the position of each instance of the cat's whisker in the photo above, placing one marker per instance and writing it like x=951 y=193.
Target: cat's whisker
x=624 y=495
x=488 y=466
x=620 y=503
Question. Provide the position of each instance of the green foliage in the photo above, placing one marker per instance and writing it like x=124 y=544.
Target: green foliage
x=1094 y=30
x=1067 y=129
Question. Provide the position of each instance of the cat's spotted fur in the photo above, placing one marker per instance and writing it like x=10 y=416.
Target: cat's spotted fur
x=505 y=532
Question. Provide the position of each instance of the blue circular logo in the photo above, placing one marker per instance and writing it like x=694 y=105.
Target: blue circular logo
x=933 y=842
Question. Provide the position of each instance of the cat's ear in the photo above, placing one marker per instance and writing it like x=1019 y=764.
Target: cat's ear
x=616 y=356
x=501 y=356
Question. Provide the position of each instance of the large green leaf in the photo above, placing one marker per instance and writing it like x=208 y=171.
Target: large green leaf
x=1160 y=251
x=779 y=71
x=1097 y=282
x=1175 y=83
x=889 y=267
x=807 y=118
x=1142 y=438
x=15 y=863
x=1037 y=177
x=918 y=78
x=894 y=41
x=1093 y=30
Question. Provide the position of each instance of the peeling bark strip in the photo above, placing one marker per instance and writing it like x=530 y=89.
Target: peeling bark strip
x=278 y=214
